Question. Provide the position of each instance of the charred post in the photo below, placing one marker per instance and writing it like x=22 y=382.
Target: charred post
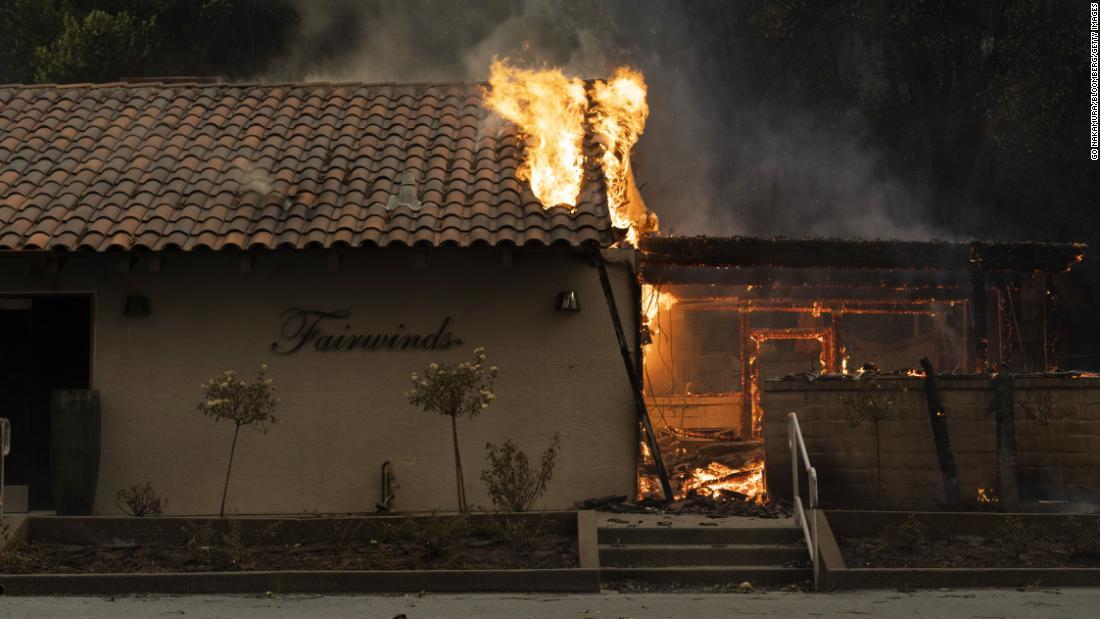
x=978 y=296
x=635 y=378
x=938 y=417
x=748 y=352
x=1050 y=323
x=1003 y=408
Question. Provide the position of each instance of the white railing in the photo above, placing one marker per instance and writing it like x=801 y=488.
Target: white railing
x=5 y=447
x=805 y=516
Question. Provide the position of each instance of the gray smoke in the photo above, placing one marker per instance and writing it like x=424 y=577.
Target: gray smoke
x=712 y=160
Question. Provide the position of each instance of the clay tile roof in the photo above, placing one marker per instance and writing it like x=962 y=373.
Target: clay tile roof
x=151 y=166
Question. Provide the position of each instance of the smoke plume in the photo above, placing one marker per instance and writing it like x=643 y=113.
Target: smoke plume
x=715 y=158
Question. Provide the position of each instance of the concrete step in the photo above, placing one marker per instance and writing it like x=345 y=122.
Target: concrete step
x=733 y=575
x=698 y=535
x=648 y=555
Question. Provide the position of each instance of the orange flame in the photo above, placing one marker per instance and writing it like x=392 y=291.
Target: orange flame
x=717 y=477
x=655 y=301
x=619 y=115
x=549 y=110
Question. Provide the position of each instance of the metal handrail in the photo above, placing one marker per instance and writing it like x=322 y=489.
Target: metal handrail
x=808 y=522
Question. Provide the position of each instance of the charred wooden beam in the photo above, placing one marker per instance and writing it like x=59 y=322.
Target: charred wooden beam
x=1027 y=256
x=704 y=276
x=858 y=254
x=747 y=355
x=938 y=417
x=803 y=306
x=1050 y=323
x=1003 y=407
x=633 y=373
x=979 y=301
x=837 y=294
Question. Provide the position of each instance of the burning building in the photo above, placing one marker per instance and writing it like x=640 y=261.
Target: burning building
x=722 y=315
x=155 y=235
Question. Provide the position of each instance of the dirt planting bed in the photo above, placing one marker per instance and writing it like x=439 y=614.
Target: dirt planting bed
x=1007 y=542
x=176 y=545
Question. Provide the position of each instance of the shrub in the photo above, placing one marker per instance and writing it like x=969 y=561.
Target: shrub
x=462 y=390
x=140 y=500
x=226 y=545
x=233 y=541
x=1016 y=537
x=909 y=535
x=513 y=484
x=201 y=534
x=344 y=532
x=1084 y=539
x=516 y=532
x=436 y=534
x=243 y=403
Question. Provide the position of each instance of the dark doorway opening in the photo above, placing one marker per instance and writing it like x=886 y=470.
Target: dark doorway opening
x=45 y=344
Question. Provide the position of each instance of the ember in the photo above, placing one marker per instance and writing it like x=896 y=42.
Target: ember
x=987 y=497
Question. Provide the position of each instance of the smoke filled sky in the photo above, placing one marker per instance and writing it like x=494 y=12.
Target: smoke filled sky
x=763 y=121
x=768 y=117
x=712 y=158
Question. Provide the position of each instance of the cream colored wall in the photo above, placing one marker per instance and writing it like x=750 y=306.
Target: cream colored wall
x=345 y=412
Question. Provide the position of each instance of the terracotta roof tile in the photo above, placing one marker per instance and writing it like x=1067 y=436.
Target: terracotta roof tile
x=317 y=165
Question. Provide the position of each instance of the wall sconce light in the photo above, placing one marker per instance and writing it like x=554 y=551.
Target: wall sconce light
x=137 y=305
x=567 y=302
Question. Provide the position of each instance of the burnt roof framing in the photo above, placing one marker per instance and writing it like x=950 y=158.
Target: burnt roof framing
x=874 y=279
x=740 y=251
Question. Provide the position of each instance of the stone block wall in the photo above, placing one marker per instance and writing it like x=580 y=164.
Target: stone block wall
x=1056 y=461
x=698 y=411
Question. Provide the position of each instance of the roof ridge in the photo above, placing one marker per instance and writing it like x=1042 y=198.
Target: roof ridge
x=252 y=84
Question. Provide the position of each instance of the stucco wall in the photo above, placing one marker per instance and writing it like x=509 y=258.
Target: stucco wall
x=345 y=412
x=1055 y=462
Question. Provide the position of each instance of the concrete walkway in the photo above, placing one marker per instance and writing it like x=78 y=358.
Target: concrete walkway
x=985 y=604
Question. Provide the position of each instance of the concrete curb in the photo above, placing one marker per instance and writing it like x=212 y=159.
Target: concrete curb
x=556 y=581
x=900 y=578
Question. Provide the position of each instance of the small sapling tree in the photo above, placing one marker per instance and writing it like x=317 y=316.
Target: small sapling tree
x=243 y=403
x=873 y=403
x=461 y=390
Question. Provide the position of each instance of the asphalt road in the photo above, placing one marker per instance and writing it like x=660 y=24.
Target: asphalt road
x=984 y=604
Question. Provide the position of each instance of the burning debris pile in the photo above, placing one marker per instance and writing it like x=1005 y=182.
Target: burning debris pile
x=707 y=464
x=712 y=463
